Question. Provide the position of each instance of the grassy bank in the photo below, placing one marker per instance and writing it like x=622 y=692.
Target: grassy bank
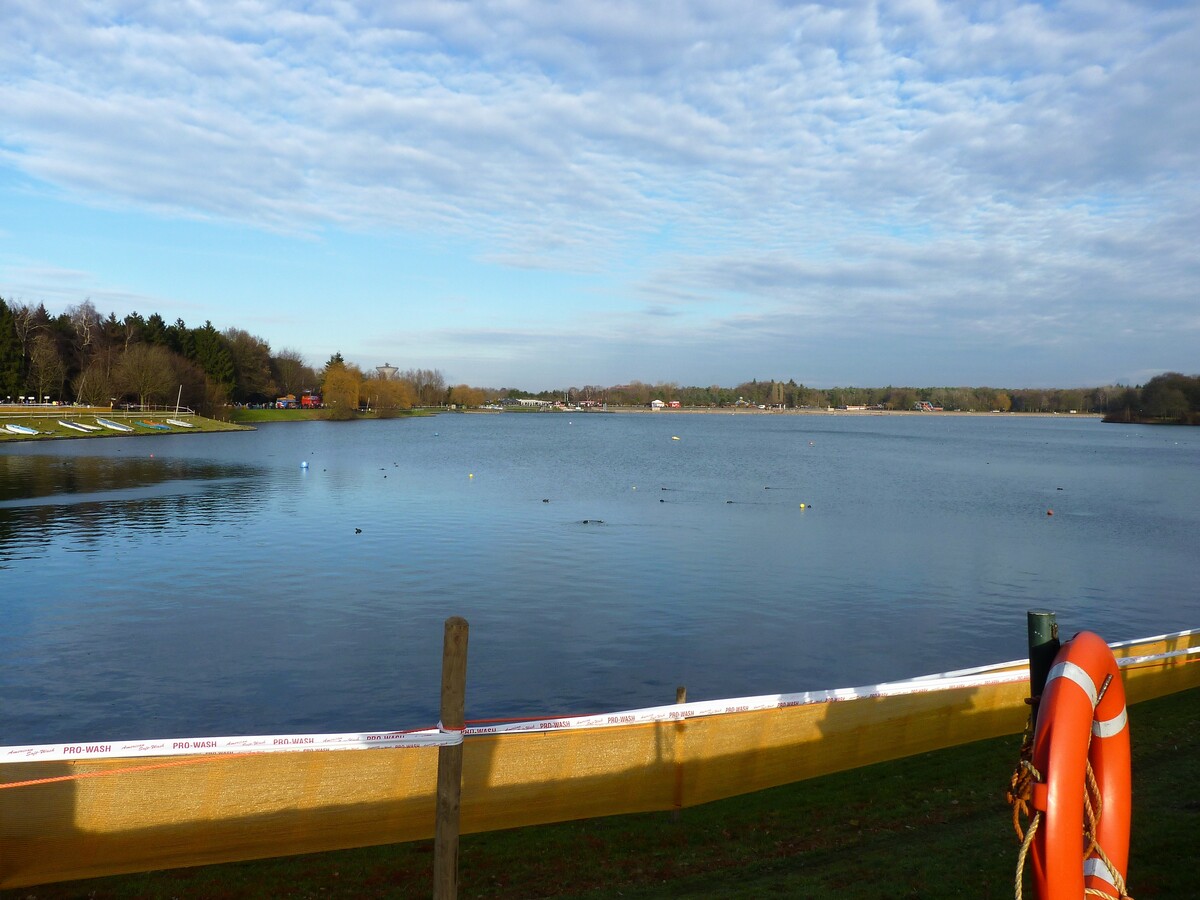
x=49 y=425
x=932 y=826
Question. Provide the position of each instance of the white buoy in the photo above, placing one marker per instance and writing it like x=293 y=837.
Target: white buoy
x=304 y=465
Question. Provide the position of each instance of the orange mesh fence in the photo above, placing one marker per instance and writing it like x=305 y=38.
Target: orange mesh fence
x=63 y=820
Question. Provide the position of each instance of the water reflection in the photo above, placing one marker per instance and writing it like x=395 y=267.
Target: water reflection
x=221 y=588
x=82 y=501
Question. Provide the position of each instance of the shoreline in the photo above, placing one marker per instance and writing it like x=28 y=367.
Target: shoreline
x=733 y=411
x=46 y=421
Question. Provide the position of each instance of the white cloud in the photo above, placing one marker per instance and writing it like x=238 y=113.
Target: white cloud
x=913 y=164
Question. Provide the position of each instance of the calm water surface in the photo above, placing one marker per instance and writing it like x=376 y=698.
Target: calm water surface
x=208 y=584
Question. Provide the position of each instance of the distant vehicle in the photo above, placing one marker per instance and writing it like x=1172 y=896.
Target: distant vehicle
x=310 y=401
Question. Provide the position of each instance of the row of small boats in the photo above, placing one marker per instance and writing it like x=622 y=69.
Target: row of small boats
x=101 y=425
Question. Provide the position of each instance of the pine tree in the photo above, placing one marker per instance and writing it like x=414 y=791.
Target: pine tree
x=12 y=359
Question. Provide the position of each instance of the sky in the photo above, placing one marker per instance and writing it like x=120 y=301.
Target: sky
x=568 y=193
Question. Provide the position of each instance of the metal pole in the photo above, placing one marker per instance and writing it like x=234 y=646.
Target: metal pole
x=1043 y=647
x=449 y=780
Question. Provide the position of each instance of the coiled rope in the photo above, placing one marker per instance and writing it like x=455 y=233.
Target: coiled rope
x=1020 y=796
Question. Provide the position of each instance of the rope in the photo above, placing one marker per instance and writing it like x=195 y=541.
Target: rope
x=101 y=773
x=1020 y=793
x=1092 y=790
x=1025 y=845
x=1020 y=786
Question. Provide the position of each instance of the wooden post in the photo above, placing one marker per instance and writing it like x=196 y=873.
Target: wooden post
x=449 y=780
x=677 y=812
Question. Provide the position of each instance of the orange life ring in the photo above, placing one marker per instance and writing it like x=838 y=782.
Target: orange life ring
x=1081 y=718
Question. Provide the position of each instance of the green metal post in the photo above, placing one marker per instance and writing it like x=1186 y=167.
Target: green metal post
x=1043 y=647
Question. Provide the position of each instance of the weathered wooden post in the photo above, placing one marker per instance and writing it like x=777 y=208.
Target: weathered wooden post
x=677 y=812
x=449 y=780
x=1043 y=647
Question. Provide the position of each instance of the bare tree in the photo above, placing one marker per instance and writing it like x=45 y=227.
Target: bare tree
x=145 y=371
x=86 y=322
x=428 y=385
x=292 y=374
x=28 y=320
x=46 y=369
x=95 y=385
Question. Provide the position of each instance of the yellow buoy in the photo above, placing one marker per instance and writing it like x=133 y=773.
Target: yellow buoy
x=802 y=506
x=472 y=475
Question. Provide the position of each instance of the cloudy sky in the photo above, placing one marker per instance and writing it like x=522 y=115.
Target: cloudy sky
x=584 y=192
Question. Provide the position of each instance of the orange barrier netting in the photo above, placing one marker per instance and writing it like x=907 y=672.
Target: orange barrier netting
x=86 y=818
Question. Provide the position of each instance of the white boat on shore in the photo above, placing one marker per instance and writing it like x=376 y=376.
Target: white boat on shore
x=79 y=426
x=20 y=429
x=178 y=424
x=112 y=426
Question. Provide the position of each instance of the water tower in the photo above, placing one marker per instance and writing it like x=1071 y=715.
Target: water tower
x=386 y=371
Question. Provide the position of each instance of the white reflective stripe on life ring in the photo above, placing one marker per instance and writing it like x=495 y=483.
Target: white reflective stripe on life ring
x=1112 y=726
x=1097 y=868
x=1077 y=674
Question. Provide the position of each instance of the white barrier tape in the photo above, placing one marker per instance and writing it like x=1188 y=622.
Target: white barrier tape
x=1001 y=673
x=1158 y=657
x=679 y=711
x=440 y=737
x=1117 y=645
x=277 y=743
x=1158 y=637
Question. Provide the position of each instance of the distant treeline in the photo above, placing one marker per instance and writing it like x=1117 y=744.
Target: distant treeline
x=1171 y=397
x=83 y=355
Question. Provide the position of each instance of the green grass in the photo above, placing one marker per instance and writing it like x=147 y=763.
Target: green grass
x=231 y=420
x=931 y=826
x=255 y=416
x=49 y=428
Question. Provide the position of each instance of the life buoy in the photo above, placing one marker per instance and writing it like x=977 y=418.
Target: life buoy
x=1081 y=718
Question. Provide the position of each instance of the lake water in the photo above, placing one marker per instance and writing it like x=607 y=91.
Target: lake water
x=208 y=584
